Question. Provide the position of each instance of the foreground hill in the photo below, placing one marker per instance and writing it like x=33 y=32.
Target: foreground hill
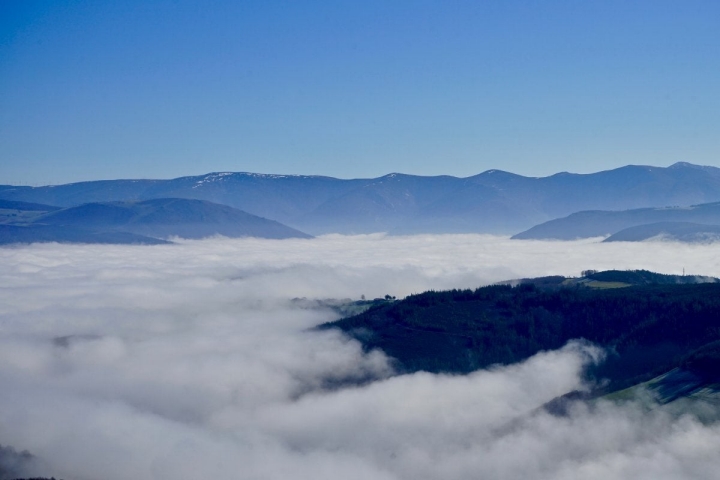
x=596 y=223
x=491 y=202
x=143 y=222
x=651 y=323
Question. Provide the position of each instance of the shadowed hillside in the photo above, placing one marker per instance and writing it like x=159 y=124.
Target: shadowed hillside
x=649 y=323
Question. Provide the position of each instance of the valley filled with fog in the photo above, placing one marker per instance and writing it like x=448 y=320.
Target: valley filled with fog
x=192 y=360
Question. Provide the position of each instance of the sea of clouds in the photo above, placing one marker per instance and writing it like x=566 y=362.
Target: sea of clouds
x=192 y=361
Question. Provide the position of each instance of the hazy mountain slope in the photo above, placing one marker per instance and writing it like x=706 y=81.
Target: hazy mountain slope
x=167 y=217
x=678 y=231
x=632 y=186
x=493 y=201
x=382 y=204
x=83 y=192
x=599 y=223
x=476 y=208
x=280 y=197
x=14 y=212
x=12 y=234
x=26 y=206
x=407 y=204
x=91 y=215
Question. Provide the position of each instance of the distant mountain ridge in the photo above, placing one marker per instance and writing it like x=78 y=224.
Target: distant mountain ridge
x=143 y=222
x=678 y=231
x=14 y=234
x=491 y=202
x=596 y=223
x=25 y=206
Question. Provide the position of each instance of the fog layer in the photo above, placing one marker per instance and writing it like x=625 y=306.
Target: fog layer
x=191 y=361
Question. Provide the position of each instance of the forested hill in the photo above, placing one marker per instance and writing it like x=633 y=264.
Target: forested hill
x=652 y=323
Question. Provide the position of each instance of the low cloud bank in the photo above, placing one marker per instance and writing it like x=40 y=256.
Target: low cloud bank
x=191 y=361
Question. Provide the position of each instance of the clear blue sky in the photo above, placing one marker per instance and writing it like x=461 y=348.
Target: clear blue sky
x=159 y=89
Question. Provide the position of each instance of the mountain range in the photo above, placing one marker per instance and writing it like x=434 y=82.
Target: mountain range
x=491 y=202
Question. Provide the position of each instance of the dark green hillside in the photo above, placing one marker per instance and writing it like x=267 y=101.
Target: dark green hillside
x=645 y=277
x=650 y=328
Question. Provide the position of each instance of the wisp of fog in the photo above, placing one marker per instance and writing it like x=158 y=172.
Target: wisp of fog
x=191 y=361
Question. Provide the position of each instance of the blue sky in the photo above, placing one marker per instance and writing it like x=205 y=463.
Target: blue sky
x=143 y=89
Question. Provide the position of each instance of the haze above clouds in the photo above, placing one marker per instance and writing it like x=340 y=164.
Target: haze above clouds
x=191 y=361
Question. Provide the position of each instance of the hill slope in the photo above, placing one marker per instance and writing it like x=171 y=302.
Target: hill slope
x=678 y=231
x=143 y=222
x=19 y=212
x=20 y=234
x=596 y=223
x=167 y=217
x=653 y=324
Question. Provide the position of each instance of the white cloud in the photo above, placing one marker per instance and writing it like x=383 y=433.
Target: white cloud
x=189 y=361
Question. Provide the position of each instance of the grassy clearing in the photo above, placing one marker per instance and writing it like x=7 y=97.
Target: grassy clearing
x=606 y=285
